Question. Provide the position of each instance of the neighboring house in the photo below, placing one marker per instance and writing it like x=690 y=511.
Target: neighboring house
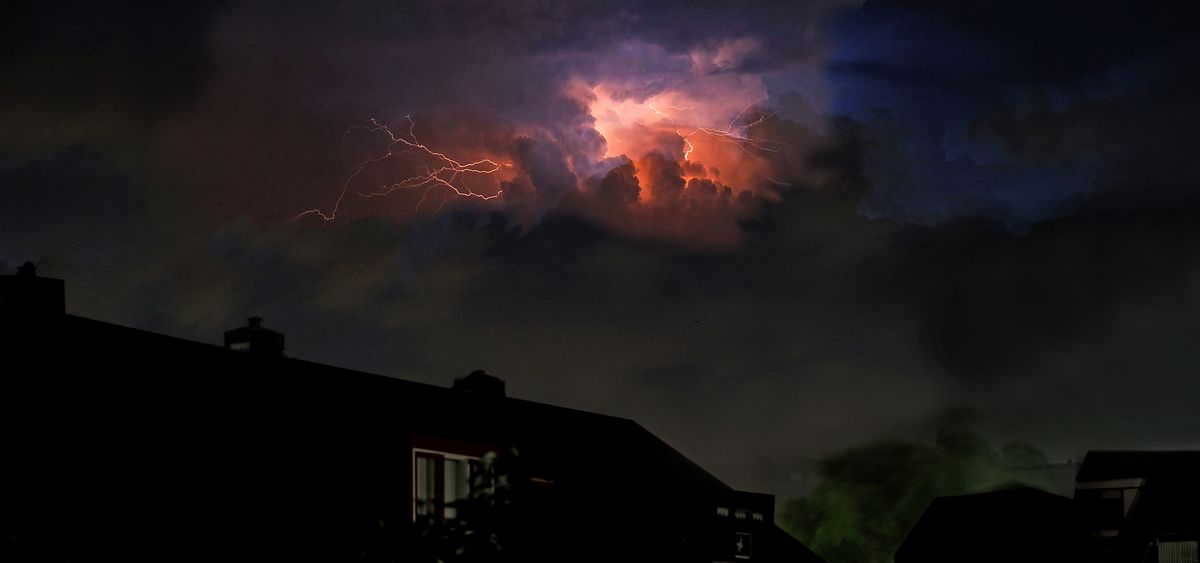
x=1142 y=506
x=1015 y=524
x=1129 y=507
x=125 y=445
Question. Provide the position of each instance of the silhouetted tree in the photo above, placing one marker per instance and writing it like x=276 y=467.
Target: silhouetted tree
x=868 y=497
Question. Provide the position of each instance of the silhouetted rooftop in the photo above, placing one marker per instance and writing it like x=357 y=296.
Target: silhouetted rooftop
x=1013 y=524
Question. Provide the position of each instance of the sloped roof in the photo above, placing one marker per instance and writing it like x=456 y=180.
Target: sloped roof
x=159 y=389
x=1014 y=524
x=160 y=362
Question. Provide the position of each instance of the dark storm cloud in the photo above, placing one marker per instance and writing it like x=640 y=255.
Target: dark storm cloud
x=1076 y=332
x=81 y=72
x=1017 y=111
x=1081 y=317
x=987 y=45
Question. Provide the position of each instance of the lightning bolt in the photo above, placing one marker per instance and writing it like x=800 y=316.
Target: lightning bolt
x=687 y=152
x=443 y=174
x=664 y=114
x=733 y=133
x=736 y=133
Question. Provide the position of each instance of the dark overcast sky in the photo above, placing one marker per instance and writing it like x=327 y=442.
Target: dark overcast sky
x=986 y=207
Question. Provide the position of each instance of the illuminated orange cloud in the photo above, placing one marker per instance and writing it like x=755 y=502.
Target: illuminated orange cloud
x=683 y=155
x=712 y=137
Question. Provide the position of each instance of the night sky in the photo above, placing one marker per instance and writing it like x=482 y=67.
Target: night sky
x=765 y=231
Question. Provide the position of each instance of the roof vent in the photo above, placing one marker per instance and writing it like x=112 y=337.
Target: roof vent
x=27 y=294
x=480 y=383
x=255 y=339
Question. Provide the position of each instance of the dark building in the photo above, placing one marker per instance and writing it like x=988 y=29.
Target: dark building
x=1003 y=526
x=125 y=445
x=1142 y=506
x=1129 y=507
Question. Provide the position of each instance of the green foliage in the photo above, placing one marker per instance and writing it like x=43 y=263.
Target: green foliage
x=868 y=497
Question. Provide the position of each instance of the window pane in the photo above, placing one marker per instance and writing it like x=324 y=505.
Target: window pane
x=464 y=480
x=427 y=486
x=442 y=484
x=457 y=479
x=479 y=481
x=452 y=490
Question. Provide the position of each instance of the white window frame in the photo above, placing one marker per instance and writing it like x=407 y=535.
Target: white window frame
x=441 y=456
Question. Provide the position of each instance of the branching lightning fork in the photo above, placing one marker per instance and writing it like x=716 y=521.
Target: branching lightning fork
x=734 y=133
x=443 y=174
x=737 y=134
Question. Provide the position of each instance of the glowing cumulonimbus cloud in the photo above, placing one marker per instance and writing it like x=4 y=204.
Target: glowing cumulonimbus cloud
x=711 y=139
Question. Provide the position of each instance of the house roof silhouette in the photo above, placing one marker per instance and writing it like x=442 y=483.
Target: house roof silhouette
x=139 y=446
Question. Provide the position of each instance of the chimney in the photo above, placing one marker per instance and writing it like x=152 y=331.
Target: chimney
x=480 y=383
x=255 y=339
x=26 y=294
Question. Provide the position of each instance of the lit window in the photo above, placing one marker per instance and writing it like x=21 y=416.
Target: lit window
x=441 y=482
x=742 y=547
x=1178 y=552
